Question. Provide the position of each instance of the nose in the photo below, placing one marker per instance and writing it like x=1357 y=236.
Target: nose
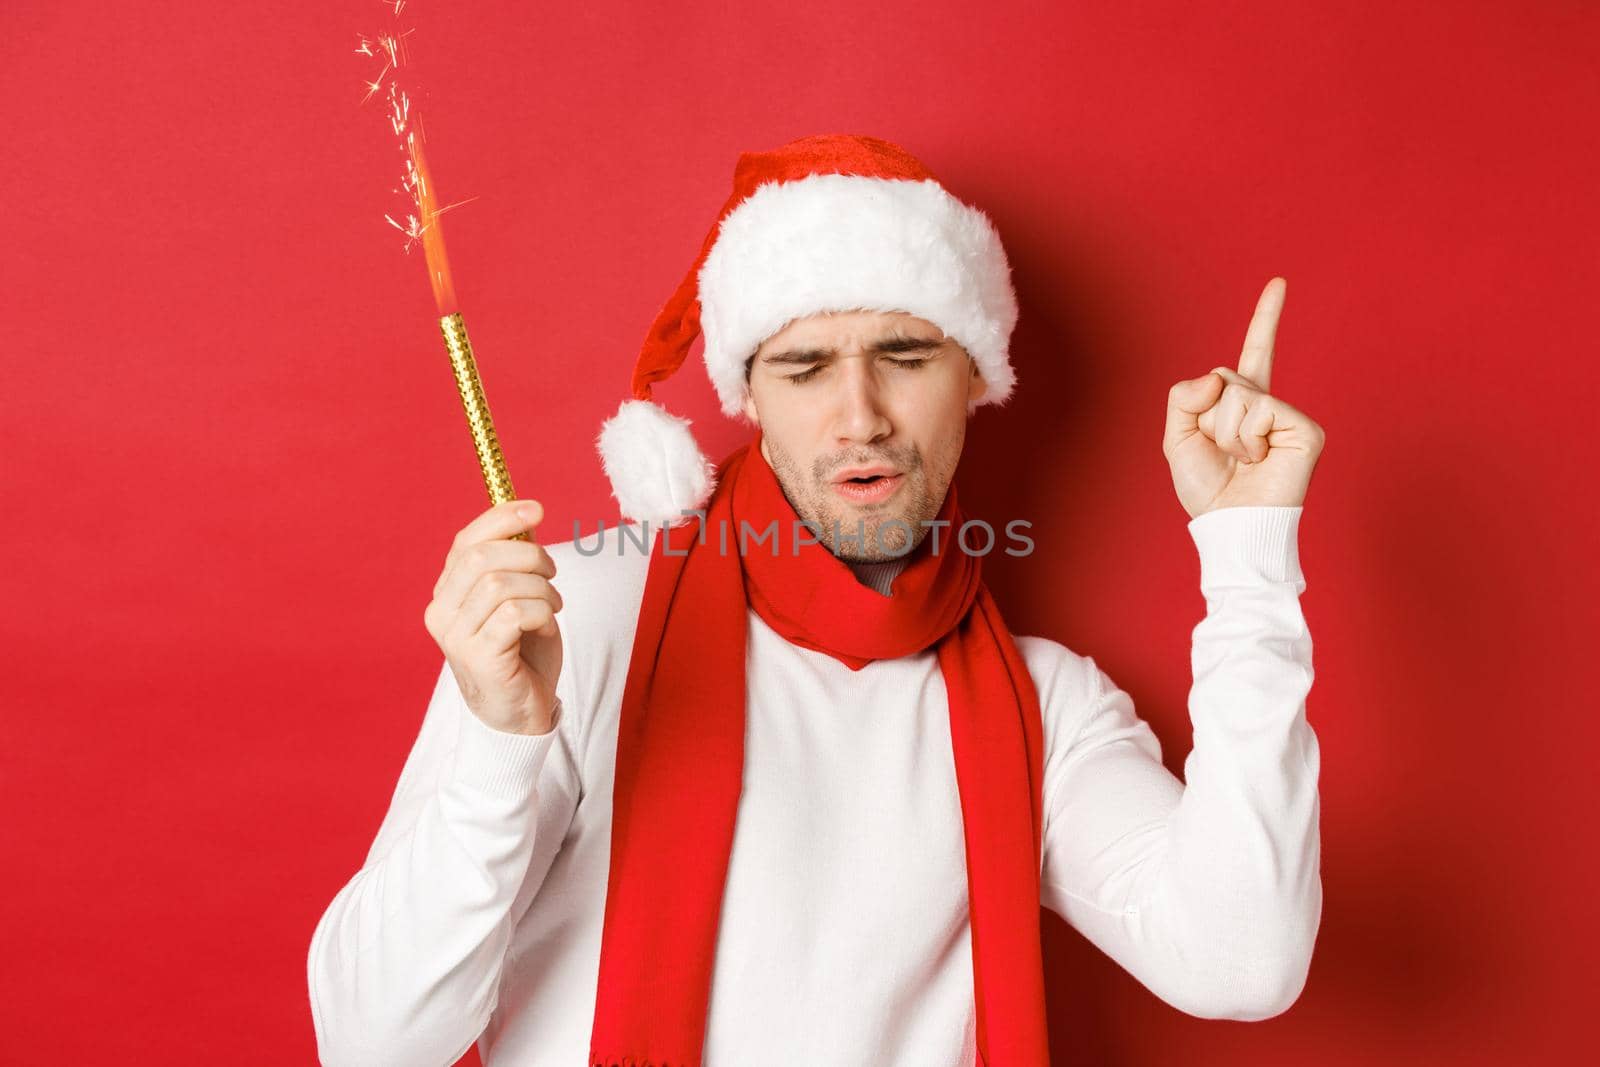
x=860 y=417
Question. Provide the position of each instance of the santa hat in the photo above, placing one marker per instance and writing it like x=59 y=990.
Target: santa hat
x=835 y=222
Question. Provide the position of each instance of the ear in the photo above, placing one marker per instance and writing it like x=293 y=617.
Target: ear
x=977 y=385
x=750 y=407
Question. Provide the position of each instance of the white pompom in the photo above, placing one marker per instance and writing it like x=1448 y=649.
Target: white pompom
x=657 y=471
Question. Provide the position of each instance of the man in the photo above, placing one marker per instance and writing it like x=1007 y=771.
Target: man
x=799 y=800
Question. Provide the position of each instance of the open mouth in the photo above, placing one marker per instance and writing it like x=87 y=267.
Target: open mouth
x=868 y=488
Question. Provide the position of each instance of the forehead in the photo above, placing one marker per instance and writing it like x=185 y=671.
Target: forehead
x=834 y=328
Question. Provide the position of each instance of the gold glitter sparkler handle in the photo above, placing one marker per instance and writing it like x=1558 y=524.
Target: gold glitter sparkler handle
x=495 y=476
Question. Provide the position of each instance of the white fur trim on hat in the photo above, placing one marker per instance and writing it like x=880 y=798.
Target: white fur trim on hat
x=836 y=242
x=657 y=471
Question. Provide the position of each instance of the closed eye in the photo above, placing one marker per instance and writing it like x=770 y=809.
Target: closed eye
x=803 y=376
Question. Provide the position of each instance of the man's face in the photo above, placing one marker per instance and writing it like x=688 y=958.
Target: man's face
x=881 y=396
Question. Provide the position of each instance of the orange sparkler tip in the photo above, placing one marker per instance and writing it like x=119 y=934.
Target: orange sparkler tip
x=416 y=182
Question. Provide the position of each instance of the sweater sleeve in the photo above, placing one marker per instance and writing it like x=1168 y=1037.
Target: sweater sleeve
x=404 y=965
x=1210 y=892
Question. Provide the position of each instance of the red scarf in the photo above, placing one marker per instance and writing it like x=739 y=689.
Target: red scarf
x=680 y=758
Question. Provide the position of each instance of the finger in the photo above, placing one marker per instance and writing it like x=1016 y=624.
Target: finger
x=1231 y=410
x=463 y=566
x=515 y=617
x=1256 y=429
x=1228 y=374
x=491 y=591
x=504 y=521
x=1185 y=402
x=1233 y=377
x=1276 y=423
x=1255 y=360
x=501 y=522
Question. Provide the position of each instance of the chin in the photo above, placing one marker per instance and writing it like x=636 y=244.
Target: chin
x=880 y=544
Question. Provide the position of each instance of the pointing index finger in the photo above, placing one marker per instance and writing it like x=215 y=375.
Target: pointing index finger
x=1255 y=360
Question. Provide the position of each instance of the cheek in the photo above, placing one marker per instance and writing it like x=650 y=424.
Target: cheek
x=788 y=429
x=940 y=417
x=939 y=404
x=790 y=418
x=947 y=387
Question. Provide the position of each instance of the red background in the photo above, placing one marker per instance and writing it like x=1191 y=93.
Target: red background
x=234 y=458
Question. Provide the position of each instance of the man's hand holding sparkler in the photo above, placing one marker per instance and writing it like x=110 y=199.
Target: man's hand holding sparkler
x=1229 y=441
x=493 y=615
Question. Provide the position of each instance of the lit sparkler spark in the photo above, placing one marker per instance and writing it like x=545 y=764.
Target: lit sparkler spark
x=373 y=86
x=413 y=229
x=421 y=223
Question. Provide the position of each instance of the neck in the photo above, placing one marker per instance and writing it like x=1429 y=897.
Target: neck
x=877 y=575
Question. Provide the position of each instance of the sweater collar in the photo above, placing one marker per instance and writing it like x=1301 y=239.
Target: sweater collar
x=878 y=575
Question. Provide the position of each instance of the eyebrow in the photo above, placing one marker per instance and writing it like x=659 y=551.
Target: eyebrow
x=816 y=355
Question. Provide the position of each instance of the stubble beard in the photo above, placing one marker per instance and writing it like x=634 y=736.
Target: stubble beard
x=866 y=533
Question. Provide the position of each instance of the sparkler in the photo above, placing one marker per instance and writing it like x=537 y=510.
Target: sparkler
x=422 y=227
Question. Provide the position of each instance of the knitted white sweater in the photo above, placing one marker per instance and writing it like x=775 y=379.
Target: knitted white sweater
x=844 y=937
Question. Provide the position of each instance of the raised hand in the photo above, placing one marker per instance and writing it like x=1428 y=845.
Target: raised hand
x=1229 y=441
x=493 y=614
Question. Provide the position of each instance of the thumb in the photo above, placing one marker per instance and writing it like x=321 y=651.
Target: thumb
x=1186 y=401
x=1197 y=394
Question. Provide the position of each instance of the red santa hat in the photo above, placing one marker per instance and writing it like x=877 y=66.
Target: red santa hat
x=835 y=222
